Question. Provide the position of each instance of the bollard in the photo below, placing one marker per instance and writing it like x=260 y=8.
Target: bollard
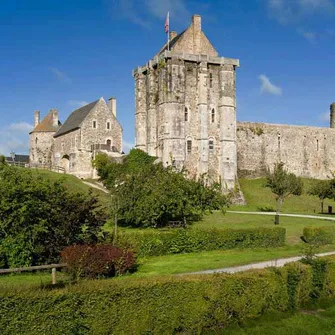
x=53 y=276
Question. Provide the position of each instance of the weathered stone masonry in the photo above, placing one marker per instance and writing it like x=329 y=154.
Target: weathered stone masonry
x=185 y=107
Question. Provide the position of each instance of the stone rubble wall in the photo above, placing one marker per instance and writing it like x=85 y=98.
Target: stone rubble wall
x=306 y=151
x=41 y=146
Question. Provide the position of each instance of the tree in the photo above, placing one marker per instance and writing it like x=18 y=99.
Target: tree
x=322 y=189
x=147 y=194
x=282 y=184
x=40 y=217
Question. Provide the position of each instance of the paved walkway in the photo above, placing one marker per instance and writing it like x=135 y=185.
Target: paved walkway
x=275 y=262
x=283 y=214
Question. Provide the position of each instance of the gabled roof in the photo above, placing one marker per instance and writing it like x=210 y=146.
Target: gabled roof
x=76 y=118
x=46 y=124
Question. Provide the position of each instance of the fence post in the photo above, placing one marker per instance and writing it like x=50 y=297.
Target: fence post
x=53 y=276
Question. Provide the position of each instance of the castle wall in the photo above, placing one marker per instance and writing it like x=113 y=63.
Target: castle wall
x=41 y=146
x=306 y=151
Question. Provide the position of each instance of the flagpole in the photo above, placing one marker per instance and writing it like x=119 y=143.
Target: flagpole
x=168 y=30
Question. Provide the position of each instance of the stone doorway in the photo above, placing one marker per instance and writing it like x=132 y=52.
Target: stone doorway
x=65 y=163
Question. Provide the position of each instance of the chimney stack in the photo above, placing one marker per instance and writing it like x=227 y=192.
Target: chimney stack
x=332 y=115
x=54 y=118
x=36 y=118
x=172 y=35
x=112 y=105
x=196 y=23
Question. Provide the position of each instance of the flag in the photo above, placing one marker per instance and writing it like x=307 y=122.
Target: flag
x=167 y=23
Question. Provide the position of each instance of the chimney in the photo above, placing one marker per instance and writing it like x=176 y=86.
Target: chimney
x=112 y=105
x=172 y=35
x=196 y=23
x=332 y=115
x=54 y=118
x=36 y=118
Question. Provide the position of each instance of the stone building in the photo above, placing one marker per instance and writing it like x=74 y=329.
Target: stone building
x=186 y=106
x=72 y=146
x=41 y=138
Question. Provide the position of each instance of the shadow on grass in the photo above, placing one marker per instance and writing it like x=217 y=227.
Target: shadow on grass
x=266 y=209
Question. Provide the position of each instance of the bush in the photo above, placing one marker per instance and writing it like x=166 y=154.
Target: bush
x=155 y=243
x=94 y=261
x=319 y=235
x=184 y=304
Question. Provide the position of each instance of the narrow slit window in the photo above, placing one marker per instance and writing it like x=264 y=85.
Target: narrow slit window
x=94 y=125
x=186 y=114
x=108 y=125
x=210 y=80
x=211 y=145
x=213 y=115
x=189 y=146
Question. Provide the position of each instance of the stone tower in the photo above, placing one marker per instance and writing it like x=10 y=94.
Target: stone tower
x=332 y=115
x=41 y=138
x=186 y=106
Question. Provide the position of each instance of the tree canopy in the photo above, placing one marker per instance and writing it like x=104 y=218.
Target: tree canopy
x=39 y=217
x=147 y=194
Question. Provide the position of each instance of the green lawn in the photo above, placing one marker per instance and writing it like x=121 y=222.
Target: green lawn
x=304 y=322
x=260 y=198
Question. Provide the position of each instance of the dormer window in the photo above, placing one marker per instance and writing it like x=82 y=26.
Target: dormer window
x=108 y=125
x=94 y=124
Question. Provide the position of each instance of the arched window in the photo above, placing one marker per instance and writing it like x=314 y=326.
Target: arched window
x=186 y=114
x=189 y=146
x=213 y=115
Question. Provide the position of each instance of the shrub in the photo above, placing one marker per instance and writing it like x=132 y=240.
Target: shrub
x=155 y=243
x=184 y=304
x=97 y=260
x=319 y=235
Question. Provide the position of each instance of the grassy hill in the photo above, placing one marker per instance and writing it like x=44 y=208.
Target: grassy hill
x=260 y=198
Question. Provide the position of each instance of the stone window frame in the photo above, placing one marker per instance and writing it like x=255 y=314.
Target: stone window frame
x=213 y=115
x=189 y=145
x=108 y=125
x=211 y=144
x=94 y=124
x=210 y=80
x=187 y=113
x=36 y=140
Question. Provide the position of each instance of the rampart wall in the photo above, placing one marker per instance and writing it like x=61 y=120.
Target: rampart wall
x=306 y=151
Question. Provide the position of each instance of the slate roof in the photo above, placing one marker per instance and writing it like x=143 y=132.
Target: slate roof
x=46 y=124
x=75 y=119
x=18 y=158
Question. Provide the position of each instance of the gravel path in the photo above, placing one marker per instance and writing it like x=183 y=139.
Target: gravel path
x=275 y=262
x=283 y=214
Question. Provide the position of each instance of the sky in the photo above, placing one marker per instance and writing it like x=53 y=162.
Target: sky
x=66 y=53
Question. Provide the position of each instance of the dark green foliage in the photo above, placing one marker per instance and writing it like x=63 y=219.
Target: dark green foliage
x=96 y=261
x=194 y=240
x=282 y=184
x=147 y=194
x=40 y=217
x=319 y=235
x=321 y=189
x=3 y=160
x=185 y=304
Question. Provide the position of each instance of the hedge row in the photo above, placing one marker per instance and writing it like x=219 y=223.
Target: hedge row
x=191 y=305
x=176 y=241
x=319 y=235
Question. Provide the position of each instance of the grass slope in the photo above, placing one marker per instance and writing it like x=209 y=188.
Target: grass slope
x=260 y=198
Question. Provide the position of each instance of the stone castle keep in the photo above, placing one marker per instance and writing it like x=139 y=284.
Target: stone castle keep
x=185 y=114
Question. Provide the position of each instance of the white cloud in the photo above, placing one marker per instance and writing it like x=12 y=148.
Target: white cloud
x=127 y=146
x=142 y=12
x=294 y=11
x=77 y=103
x=310 y=36
x=324 y=116
x=15 y=137
x=268 y=87
x=61 y=76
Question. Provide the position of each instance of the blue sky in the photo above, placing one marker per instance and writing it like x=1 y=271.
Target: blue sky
x=63 y=53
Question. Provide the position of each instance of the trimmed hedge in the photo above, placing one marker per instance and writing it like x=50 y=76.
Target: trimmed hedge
x=185 y=304
x=319 y=235
x=156 y=243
